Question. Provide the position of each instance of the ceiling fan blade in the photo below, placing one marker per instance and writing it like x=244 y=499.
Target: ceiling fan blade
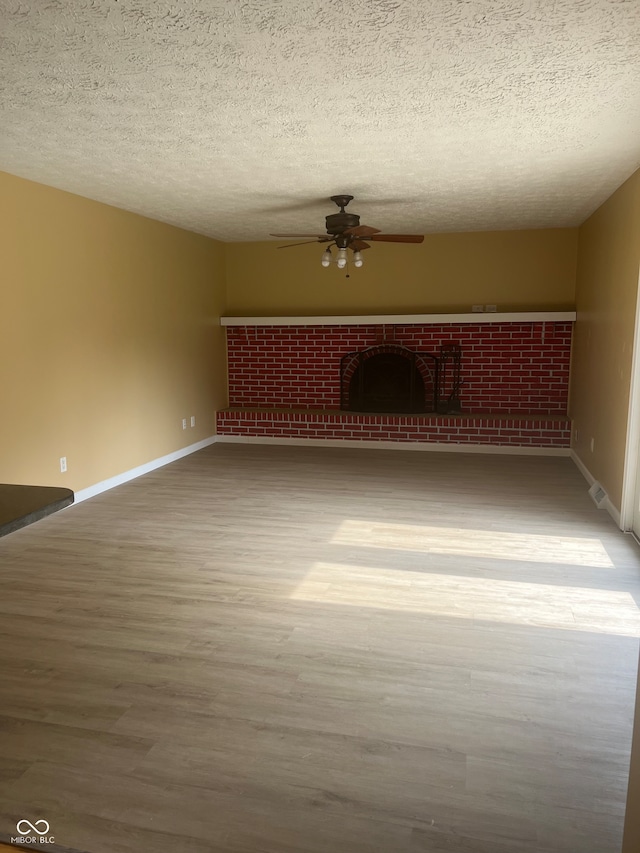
x=319 y=236
x=359 y=245
x=305 y=243
x=362 y=231
x=397 y=238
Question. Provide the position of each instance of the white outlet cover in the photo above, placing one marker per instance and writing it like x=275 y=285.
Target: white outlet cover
x=193 y=420
x=184 y=423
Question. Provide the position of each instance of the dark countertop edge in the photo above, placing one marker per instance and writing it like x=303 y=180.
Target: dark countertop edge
x=36 y=515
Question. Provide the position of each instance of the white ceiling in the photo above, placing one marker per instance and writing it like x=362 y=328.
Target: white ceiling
x=235 y=118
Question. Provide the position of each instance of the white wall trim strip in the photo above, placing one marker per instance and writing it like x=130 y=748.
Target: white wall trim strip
x=119 y=479
x=632 y=447
x=583 y=468
x=405 y=319
x=606 y=503
x=442 y=447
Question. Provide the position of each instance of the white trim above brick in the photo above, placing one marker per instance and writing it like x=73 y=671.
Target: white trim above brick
x=405 y=319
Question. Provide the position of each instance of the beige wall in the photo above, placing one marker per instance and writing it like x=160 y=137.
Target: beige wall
x=516 y=270
x=606 y=291
x=108 y=337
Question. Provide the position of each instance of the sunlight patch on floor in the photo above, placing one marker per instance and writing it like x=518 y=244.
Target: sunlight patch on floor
x=486 y=599
x=494 y=544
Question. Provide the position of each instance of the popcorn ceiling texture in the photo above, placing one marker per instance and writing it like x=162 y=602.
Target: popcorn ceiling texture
x=234 y=118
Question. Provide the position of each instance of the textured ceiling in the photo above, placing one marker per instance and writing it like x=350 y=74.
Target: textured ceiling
x=235 y=118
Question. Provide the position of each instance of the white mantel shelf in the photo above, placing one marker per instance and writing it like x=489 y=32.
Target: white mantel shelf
x=406 y=319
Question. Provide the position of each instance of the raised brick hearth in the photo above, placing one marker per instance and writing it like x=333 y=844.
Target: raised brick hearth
x=284 y=382
x=531 y=431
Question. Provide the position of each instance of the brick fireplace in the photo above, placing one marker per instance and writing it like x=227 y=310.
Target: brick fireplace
x=285 y=379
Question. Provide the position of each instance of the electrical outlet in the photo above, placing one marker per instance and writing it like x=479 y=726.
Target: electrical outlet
x=63 y=464
x=477 y=309
x=193 y=420
x=491 y=308
x=184 y=423
x=593 y=444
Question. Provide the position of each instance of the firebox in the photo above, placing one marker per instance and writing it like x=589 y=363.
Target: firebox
x=388 y=378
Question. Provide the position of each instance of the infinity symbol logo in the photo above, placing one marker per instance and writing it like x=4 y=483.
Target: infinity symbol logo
x=32 y=827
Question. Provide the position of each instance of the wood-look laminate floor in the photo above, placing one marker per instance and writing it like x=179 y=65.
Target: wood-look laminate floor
x=309 y=650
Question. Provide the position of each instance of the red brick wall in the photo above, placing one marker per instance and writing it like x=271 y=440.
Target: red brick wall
x=506 y=367
x=514 y=432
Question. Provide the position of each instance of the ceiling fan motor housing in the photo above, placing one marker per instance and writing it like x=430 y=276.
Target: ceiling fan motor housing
x=339 y=222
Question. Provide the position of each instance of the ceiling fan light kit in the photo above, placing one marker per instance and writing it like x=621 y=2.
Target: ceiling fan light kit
x=345 y=233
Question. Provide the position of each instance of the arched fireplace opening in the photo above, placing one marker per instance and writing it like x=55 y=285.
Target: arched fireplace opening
x=388 y=378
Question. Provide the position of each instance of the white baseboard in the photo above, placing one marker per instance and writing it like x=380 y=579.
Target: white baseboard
x=613 y=511
x=119 y=479
x=441 y=447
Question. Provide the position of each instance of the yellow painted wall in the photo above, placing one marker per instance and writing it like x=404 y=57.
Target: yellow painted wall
x=109 y=336
x=606 y=292
x=516 y=270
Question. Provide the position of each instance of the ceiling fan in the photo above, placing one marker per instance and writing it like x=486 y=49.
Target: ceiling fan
x=345 y=232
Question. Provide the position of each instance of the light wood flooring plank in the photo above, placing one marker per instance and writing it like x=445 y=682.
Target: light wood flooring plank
x=269 y=650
